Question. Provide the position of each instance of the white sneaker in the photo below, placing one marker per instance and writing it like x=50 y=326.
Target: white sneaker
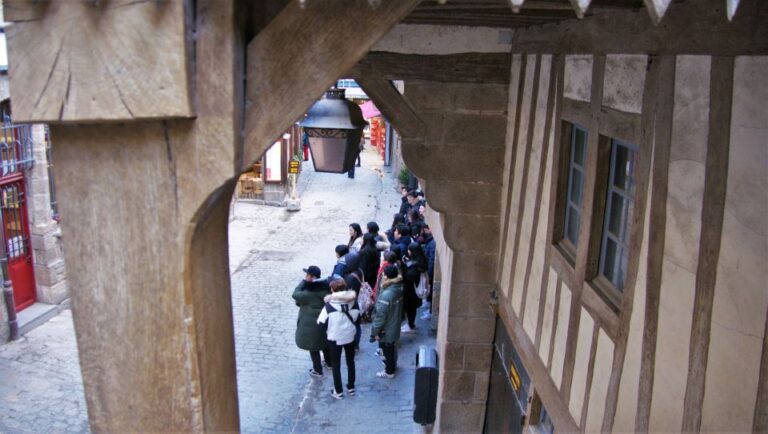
x=383 y=374
x=426 y=315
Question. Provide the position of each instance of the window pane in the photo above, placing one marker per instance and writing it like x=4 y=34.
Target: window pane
x=615 y=214
x=572 y=225
x=609 y=260
x=579 y=145
x=273 y=162
x=623 y=260
x=577 y=184
x=621 y=166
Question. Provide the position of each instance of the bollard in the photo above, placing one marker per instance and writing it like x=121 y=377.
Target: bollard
x=425 y=389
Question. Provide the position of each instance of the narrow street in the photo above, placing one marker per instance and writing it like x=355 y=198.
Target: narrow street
x=268 y=249
x=41 y=389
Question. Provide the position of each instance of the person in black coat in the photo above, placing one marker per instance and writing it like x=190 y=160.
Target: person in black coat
x=370 y=259
x=402 y=237
x=415 y=263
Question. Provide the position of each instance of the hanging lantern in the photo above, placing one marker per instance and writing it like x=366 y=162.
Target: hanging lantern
x=334 y=126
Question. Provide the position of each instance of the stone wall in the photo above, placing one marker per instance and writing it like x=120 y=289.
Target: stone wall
x=460 y=163
x=45 y=233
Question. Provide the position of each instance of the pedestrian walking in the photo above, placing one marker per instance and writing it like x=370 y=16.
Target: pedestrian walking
x=309 y=296
x=386 y=319
x=340 y=315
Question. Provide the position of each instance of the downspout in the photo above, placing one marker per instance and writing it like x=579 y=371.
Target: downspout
x=10 y=304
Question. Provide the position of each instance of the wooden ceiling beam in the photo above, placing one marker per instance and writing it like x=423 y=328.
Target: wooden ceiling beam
x=463 y=67
x=300 y=54
x=688 y=28
x=392 y=105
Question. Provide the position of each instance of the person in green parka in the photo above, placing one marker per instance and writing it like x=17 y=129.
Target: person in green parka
x=386 y=319
x=309 y=296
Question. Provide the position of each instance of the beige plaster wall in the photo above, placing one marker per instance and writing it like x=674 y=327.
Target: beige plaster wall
x=525 y=110
x=683 y=228
x=741 y=298
x=435 y=40
x=561 y=334
x=624 y=80
x=580 y=370
x=578 y=77
x=600 y=378
x=549 y=315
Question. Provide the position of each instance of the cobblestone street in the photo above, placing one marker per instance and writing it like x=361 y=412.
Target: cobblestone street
x=41 y=389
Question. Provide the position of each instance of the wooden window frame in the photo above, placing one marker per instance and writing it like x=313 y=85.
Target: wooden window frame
x=594 y=278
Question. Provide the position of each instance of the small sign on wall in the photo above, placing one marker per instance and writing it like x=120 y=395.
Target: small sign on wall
x=293 y=167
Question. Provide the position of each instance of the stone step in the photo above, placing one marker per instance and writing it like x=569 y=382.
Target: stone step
x=35 y=316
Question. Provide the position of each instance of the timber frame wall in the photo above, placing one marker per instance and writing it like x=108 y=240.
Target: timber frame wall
x=685 y=346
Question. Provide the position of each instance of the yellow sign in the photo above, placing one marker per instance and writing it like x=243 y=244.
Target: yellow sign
x=293 y=166
x=514 y=376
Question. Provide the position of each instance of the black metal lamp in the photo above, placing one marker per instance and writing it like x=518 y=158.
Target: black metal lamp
x=334 y=126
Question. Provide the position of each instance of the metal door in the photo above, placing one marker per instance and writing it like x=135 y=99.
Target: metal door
x=16 y=234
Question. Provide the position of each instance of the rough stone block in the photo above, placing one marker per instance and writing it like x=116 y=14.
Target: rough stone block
x=482 y=382
x=470 y=163
x=459 y=385
x=478 y=357
x=427 y=96
x=471 y=300
x=53 y=294
x=470 y=330
x=481 y=97
x=472 y=232
x=453 y=356
x=473 y=267
x=460 y=417
x=483 y=130
x=447 y=196
x=624 y=80
x=578 y=77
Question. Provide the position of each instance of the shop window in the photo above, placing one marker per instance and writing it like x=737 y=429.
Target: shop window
x=619 y=205
x=273 y=163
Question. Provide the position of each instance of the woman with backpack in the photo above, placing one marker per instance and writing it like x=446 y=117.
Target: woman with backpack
x=341 y=316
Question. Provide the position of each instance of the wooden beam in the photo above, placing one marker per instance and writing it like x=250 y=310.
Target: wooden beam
x=300 y=54
x=760 y=422
x=715 y=182
x=661 y=85
x=556 y=406
x=393 y=106
x=463 y=67
x=688 y=28
x=85 y=61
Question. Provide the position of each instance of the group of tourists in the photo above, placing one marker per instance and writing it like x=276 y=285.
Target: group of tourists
x=381 y=278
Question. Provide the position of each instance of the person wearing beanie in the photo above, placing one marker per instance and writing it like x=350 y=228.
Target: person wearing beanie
x=309 y=295
x=386 y=319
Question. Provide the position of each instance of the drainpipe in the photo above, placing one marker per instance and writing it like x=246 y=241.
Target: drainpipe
x=10 y=304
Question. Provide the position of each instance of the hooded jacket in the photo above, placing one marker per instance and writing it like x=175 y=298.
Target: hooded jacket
x=340 y=314
x=309 y=298
x=389 y=310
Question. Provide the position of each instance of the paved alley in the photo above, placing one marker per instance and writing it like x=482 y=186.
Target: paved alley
x=41 y=388
x=268 y=248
